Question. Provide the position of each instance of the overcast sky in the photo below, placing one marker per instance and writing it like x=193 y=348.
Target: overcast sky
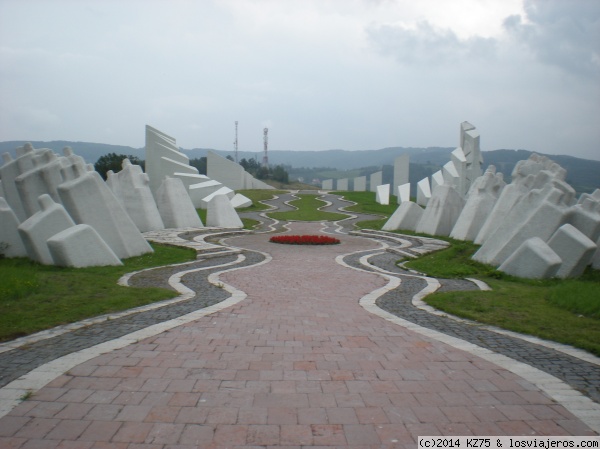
x=320 y=74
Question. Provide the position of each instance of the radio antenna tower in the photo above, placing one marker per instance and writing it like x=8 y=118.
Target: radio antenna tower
x=235 y=143
x=265 y=161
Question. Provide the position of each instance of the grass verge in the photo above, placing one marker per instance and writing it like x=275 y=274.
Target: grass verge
x=566 y=311
x=35 y=297
x=366 y=204
x=307 y=205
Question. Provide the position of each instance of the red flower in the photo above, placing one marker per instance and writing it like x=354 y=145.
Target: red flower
x=304 y=239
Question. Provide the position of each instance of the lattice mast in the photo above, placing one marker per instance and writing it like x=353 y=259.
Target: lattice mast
x=265 y=161
x=235 y=142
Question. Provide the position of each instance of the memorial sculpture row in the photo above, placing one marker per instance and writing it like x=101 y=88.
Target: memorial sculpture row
x=57 y=210
x=534 y=227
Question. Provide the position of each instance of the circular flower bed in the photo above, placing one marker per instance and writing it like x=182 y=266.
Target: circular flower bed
x=305 y=240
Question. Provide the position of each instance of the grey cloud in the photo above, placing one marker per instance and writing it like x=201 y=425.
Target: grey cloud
x=561 y=33
x=429 y=45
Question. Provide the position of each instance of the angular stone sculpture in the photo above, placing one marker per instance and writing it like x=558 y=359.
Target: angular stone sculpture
x=51 y=219
x=175 y=206
x=221 y=214
x=401 y=172
x=480 y=201
x=437 y=179
x=383 y=194
x=342 y=184
x=240 y=201
x=574 y=248
x=585 y=216
x=81 y=246
x=533 y=259
x=538 y=214
x=44 y=178
x=12 y=245
x=90 y=201
x=406 y=217
x=221 y=191
x=327 y=184
x=423 y=192
x=529 y=174
x=403 y=193
x=131 y=187
x=360 y=184
x=450 y=175
x=459 y=162
x=9 y=172
x=443 y=209
x=231 y=174
x=376 y=179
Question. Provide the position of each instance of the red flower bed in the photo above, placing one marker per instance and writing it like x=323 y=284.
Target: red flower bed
x=305 y=239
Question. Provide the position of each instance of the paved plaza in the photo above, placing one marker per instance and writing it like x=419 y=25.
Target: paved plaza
x=288 y=347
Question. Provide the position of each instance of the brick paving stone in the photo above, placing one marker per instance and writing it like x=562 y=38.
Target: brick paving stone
x=297 y=363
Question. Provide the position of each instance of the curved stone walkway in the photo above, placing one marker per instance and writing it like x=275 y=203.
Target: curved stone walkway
x=296 y=363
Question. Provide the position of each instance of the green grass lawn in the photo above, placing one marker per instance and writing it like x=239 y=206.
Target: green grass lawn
x=35 y=297
x=562 y=310
x=307 y=205
x=366 y=204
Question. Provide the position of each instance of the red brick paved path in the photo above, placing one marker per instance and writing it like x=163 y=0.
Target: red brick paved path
x=298 y=363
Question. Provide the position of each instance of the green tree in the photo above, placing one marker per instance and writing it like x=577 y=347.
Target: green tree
x=113 y=161
x=200 y=164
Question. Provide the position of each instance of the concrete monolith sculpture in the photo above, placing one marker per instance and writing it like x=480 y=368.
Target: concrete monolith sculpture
x=539 y=214
x=131 y=187
x=376 y=179
x=533 y=259
x=481 y=199
x=221 y=214
x=51 y=219
x=342 y=184
x=175 y=205
x=12 y=245
x=406 y=217
x=574 y=248
x=443 y=209
x=383 y=194
x=90 y=201
x=360 y=184
x=423 y=192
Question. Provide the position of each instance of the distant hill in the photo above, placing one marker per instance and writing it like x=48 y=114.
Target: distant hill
x=582 y=174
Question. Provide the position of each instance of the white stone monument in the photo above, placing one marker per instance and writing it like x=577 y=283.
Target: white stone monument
x=360 y=184
x=175 y=206
x=382 y=195
x=443 y=209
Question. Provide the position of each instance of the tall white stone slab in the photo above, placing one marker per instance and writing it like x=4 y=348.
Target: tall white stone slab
x=163 y=157
x=342 y=184
x=437 y=179
x=327 y=184
x=376 y=179
x=90 y=201
x=574 y=248
x=133 y=190
x=360 y=184
x=533 y=259
x=585 y=216
x=231 y=174
x=458 y=159
x=81 y=246
x=51 y=219
x=403 y=193
x=443 y=209
x=9 y=233
x=221 y=214
x=469 y=142
x=175 y=205
x=382 y=195
x=406 y=217
x=401 y=172
x=423 y=192
x=450 y=175
x=480 y=201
